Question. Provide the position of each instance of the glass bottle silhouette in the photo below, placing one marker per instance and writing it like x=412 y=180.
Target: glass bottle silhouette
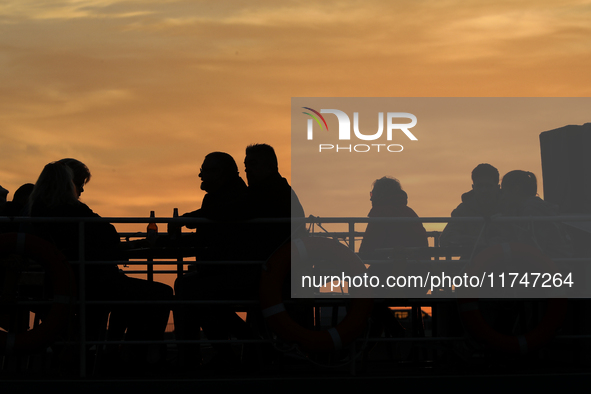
x=152 y=229
x=174 y=230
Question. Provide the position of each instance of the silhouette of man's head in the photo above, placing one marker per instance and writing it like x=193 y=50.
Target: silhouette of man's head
x=81 y=173
x=485 y=179
x=387 y=190
x=217 y=169
x=260 y=163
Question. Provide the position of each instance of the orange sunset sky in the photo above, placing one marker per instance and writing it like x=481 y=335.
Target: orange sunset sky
x=141 y=91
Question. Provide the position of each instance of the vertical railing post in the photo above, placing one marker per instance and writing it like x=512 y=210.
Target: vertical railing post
x=352 y=235
x=150 y=269
x=82 y=298
x=179 y=267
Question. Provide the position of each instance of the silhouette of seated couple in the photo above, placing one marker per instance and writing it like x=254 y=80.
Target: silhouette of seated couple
x=229 y=199
x=517 y=195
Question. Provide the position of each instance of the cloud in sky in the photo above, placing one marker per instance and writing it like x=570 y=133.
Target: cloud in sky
x=142 y=90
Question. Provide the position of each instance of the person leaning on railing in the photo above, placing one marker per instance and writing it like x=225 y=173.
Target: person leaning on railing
x=56 y=195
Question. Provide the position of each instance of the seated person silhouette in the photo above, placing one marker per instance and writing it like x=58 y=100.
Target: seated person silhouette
x=17 y=207
x=389 y=200
x=225 y=202
x=270 y=196
x=519 y=197
x=3 y=194
x=56 y=194
x=471 y=237
x=481 y=201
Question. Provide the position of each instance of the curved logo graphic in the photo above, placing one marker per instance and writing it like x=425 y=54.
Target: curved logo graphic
x=315 y=118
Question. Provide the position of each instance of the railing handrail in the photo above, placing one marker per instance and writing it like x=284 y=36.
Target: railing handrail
x=328 y=219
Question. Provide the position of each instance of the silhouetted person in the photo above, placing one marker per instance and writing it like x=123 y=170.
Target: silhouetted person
x=56 y=195
x=225 y=201
x=270 y=196
x=519 y=198
x=481 y=201
x=80 y=171
x=17 y=207
x=3 y=194
x=389 y=200
x=20 y=200
x=519 y=191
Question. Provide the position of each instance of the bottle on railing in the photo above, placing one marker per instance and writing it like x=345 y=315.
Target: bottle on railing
x=174 y=230
x=152 y=230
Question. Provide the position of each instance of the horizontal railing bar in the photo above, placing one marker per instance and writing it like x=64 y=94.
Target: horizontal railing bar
x=177 y=220
x=439 y=219
x=171 y=342
x=369 y=262
x=412 y=339
x=237 y=341
x=254 y=341
x=437 y=339
x=154 y=272
x=339 y=234
x=143 y=302
x=169 y=262
x=321 y=220
x=323 y=301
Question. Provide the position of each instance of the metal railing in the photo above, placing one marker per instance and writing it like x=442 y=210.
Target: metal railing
x=350 y=236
